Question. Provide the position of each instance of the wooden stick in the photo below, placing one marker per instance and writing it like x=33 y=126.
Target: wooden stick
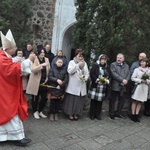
x=48 y=86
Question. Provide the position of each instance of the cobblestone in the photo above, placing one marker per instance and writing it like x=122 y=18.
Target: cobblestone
x=85 y=134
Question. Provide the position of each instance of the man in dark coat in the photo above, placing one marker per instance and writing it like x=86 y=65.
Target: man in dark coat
x=48 y=53
x=120 y=76
x=28 y=50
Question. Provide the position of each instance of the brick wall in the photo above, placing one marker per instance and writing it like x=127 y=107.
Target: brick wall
x=42 y=20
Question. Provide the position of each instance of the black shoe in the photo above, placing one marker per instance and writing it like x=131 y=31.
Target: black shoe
x=129 y=115
x=92 y=117
x=137 y=118
x=146 y=113
x=22 y=142
x=99 y=118
x=133 y=118
x=112 y=117
x=118 y=116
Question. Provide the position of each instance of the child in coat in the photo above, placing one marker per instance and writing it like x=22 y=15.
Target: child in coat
x=58 y=79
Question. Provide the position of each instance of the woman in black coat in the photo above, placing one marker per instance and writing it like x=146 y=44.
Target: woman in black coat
x=100 y=77
x=58 y=79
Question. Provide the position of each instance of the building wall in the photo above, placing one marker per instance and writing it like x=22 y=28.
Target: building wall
x=53 y=22
x=63 y=22
x=42 y=21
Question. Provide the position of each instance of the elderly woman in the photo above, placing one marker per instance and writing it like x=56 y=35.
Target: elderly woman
x=98 y=89
x=40 y=69
x=76 y=89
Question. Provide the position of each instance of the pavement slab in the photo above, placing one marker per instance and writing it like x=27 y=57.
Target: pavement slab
x=85 y=134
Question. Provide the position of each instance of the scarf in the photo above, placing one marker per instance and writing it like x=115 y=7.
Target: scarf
x=80 y=71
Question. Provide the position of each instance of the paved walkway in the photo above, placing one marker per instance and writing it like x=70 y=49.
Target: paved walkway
x=85 y=134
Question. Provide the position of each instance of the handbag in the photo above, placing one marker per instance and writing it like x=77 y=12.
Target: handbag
x=49 y=96
x=134 y=88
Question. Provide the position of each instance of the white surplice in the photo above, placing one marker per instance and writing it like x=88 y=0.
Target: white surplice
x=13 y=130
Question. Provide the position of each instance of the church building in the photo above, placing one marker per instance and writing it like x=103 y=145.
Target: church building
x=53 y=22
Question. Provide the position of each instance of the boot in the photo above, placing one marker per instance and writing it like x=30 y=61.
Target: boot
x=56 y=117
x=137 y=118
x=133 y=118
x=99 y=117
x=51 y=117
x=149 y=113
x=92 y=117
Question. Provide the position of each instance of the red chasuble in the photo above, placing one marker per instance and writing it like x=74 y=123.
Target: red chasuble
x=12 y=99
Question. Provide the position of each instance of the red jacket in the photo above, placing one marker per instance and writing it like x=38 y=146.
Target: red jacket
x=12 y=100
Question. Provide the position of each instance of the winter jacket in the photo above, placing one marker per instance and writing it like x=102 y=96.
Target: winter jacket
x=54 y=74
x=119 y=72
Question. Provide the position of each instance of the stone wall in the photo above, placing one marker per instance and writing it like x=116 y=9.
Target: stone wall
x=42 y=21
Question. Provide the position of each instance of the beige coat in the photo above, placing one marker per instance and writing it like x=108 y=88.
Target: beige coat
x=35 y=76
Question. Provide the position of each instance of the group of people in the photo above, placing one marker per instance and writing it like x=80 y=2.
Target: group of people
x=56 y=81
x=48 y=77
x=114 y=81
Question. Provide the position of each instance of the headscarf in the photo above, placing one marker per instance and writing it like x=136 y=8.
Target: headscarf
x=100 y=57
x=102 y=71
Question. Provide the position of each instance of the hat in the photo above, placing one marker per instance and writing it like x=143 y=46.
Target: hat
x=8 y=40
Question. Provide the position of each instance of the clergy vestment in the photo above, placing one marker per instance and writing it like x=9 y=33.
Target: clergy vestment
x=13 y=105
